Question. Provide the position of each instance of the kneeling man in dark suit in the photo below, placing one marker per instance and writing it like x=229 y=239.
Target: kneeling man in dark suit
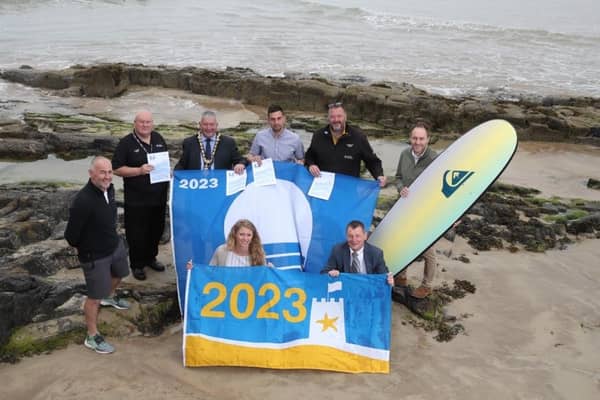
x=357 y=256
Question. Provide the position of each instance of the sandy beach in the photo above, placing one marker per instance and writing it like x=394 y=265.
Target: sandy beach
x=531 y=331
x=555 y=169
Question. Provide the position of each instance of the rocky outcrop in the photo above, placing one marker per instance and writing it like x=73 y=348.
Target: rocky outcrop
x=394 y=107
x=20 y=299
x=41 y=134
x=593 y=183
x=29 y=214
x=22 y=149
x=431 y=309
x=109 y=80
x=19 y=141
x=513 y=217
x=101 y=81
x=41 y=286
x=587 y=224
x=27 y=218
x=79 y=136
x=42 y=79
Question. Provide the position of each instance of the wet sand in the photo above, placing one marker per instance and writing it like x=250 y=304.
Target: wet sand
x=556 y=169
x=169 y=106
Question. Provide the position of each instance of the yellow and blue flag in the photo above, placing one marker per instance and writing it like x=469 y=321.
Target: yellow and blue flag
x=286 y=319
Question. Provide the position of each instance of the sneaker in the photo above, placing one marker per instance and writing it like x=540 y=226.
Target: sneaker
x=98 y=344
x=421 y=292
x=139 y=274
x=157 y=266
x=116 y=302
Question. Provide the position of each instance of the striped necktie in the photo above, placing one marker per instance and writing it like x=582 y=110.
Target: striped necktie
x=355 y=267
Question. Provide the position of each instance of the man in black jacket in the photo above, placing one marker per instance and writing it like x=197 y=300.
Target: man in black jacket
x=340 y=148
x=92 y=229
x=209 y=149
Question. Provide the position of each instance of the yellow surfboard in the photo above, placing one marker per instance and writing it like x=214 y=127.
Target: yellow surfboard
x=444 y=192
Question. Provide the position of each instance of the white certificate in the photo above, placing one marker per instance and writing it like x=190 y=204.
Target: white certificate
x=322 y=186
x=235 y=182
x=162 y=167
x=264 y=175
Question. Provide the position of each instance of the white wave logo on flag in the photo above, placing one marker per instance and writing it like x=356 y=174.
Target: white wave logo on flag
x=276 y=211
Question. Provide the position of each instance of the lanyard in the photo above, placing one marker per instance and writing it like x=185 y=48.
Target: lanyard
x=135 y=136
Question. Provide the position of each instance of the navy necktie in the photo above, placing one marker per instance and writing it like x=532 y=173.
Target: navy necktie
x=207 y=152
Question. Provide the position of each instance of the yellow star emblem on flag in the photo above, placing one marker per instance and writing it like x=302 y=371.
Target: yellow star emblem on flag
x=328 y=323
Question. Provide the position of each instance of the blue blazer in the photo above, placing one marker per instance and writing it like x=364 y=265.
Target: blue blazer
x=340 y=259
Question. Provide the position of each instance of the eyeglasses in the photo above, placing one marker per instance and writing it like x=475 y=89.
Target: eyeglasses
x=335 y=105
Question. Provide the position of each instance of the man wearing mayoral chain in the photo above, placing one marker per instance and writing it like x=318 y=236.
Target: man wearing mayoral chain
x=209 y=149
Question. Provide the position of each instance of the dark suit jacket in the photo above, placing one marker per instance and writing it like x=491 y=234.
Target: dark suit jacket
x=226 y=156
x=340 y=259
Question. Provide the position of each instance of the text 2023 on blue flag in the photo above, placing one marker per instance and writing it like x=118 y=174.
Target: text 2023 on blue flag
x=297 y=230
x=264 y=317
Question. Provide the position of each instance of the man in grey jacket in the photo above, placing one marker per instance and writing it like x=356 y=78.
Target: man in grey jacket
x=412 y=162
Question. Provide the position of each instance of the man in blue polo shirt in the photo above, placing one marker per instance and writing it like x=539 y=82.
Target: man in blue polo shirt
x=276 y=142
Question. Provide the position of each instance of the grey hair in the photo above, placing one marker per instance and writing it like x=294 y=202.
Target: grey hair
x=97 y=158
x=208 y=114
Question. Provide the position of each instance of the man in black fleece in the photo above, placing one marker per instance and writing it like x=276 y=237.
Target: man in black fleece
x=92 y=229
x=340 y=148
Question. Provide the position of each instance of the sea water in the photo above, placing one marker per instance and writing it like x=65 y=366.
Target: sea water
x=540 y=47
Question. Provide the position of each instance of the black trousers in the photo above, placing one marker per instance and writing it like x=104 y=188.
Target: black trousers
x=144 y=226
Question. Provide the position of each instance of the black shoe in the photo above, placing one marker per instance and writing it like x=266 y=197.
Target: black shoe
x=157 y=266
x=139 y=274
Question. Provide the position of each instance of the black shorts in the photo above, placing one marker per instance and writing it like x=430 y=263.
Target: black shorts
x=99 y=273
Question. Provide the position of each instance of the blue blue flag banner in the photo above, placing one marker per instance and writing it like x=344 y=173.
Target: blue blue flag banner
x=272 y=318
x=297 y=231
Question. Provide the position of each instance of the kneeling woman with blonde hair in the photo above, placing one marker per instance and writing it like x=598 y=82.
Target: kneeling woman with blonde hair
x=242 y=249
